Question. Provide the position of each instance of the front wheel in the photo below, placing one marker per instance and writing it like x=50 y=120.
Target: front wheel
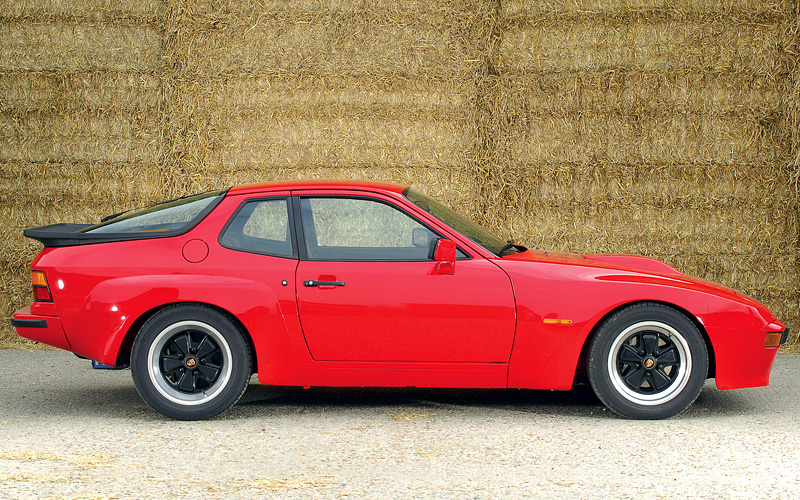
x=190 y=362
x=647 y=361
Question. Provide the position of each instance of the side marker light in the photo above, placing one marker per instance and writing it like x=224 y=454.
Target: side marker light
x=557 y=321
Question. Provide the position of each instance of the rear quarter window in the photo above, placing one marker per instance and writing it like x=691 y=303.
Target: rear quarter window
x=261 y=226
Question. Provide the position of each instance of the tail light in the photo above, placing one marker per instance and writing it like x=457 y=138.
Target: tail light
x=41 y=290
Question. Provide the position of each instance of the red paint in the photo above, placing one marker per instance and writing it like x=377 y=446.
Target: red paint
x=478 y=323
x=401 y=312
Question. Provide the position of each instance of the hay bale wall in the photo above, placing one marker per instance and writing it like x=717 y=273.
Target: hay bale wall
x=653 y=127
x=646 y=126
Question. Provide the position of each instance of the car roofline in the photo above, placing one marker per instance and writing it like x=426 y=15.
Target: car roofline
x=297 y=185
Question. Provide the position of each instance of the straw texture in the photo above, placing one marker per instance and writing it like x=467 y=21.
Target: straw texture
x=667 y=128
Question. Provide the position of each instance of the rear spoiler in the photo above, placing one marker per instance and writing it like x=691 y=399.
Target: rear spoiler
x=68 y=235
x=62 y=235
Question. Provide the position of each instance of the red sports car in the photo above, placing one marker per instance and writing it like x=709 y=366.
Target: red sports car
x=368 y=284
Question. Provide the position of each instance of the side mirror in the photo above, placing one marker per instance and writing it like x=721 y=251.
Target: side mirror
x=444 y=253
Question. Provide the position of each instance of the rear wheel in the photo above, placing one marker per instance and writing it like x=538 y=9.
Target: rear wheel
x=647 y=361
x=190 y=362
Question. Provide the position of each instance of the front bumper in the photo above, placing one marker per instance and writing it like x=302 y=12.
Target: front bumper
x=44 y=329
x=741 y=356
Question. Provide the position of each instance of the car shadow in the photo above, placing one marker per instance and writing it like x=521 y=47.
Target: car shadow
x=579 y=400
x=122 y=401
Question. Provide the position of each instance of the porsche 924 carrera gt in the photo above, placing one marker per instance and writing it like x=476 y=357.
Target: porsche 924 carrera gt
x=369 y=284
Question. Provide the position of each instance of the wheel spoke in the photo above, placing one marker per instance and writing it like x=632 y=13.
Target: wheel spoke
x=170 y=363
x=182 y=342
x=668 y=357
x=206 y=347
x=186 y=382
x=629 y=354
x=173 y=359
x=208 y=372
x=660 y=380
x=650 y=343
x=635 y=378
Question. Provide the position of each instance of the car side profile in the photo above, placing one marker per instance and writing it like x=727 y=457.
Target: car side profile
x=333 y=283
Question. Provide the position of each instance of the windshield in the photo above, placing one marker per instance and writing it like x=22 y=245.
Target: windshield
x=476 y=233
x=166 y=217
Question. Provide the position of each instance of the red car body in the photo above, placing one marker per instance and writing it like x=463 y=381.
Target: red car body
x=523 y=320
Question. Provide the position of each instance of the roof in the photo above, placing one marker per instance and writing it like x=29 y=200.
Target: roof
x=316 y=184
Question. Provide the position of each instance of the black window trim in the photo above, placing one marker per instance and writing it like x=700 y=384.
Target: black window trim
x=301 y=240
x=292 y=229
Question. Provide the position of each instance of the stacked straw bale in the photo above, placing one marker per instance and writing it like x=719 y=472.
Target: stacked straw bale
x=668 y=128
x=344 y=89
x=653 y=127
x=79 y=121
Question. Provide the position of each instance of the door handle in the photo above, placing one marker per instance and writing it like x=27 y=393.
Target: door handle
x=322 y=283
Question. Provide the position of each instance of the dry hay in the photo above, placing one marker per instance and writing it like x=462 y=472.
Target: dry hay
x=315 y=85
x=644 y=126
x=40 y=11
x=633 y=8
x=709 y=36
x=657 y=128
x=273 y=122
x=378 y=39
x=128 y=93
x=79 y=94
x=78 y=136
x=379 y=90
x=66 y=46
x=623 y=92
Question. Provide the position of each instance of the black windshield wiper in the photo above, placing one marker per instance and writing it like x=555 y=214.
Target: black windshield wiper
x=506 y=248
x=109 y=217
x=114 y=216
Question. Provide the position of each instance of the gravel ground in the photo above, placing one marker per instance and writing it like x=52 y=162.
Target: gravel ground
x=70 y=432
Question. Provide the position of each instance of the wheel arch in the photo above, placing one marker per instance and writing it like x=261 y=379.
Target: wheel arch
x=124 y=354
x=580 y=370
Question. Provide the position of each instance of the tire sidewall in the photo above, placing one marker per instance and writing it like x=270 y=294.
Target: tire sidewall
x=600 y=352
x=238 y=357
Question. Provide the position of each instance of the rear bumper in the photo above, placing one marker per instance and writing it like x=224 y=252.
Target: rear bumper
x=44 y=329
x=29 y=323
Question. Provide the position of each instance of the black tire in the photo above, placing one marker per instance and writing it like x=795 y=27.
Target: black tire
x=190 y=362
x=647 y=361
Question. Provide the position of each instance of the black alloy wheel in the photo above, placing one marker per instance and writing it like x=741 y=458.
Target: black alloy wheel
x=647 y=361
x=190 y=362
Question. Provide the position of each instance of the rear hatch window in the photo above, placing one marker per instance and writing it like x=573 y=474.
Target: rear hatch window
x=168 y=217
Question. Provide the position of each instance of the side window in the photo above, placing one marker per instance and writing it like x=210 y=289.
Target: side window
x=360 y=229
x=261 y=226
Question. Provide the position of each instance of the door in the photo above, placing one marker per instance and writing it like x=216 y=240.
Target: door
x=368 y=291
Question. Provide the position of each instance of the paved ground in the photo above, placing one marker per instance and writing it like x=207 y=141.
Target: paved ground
x=69 y=432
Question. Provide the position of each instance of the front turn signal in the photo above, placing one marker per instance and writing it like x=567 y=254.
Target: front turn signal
x=777 y=335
